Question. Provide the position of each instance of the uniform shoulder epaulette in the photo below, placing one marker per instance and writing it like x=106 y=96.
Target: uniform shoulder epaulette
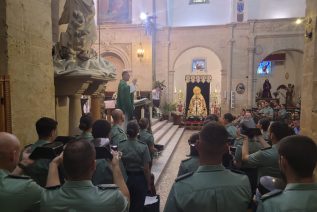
x=121 y=130
x=19 y=177
x=107 y=186
x=187 y=159
x=53 y=187
x=123 y=140
x=237 y=171
x=271 y=194
x=266 y=148
x=142 y=142
x=184 y=176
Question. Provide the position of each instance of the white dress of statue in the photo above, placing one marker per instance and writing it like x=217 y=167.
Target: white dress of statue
x=73 y=53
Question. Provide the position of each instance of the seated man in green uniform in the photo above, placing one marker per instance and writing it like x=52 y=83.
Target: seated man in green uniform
x=190 y=164
x=85 y=125
x=146 y=136
x=103 y=173
x=46 y=131
x=297 y=159
x=211 y=187
x=231 y=129
x=266 y=159
x=17 y=193
x=117 y=134
x=78 y=193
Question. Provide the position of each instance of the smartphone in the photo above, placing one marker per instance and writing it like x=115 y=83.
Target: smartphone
x=233 y=150
x=47 y=151
x=103 y=153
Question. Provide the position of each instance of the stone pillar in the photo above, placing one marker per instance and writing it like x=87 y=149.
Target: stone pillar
x=309 y=80
x=62 y=115
x=74 y=113
x=229 y=67
x=171 y=74
x=251 y=51
x=95 y=106
x=26 y=56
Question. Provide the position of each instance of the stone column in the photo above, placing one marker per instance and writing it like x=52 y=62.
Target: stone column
x=62 y=115
x=95 y=106
x=229 y=67
x=309 y=79
x=74 y=114
x=251 y=51
x=171 y=74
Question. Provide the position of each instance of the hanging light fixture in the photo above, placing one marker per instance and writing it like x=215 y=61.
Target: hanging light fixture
x=140 y=51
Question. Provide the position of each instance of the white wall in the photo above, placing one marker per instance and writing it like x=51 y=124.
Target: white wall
x=292 y=66
x=274 y=9
x=217 y=12
x=183 y=66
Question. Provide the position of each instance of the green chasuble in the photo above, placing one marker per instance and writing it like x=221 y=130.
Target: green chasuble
x=124 y=100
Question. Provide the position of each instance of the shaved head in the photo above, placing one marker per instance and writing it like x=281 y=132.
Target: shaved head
x=117 y=116
x=9 y=151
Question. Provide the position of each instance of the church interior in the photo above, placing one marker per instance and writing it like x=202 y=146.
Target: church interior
x=187 y=61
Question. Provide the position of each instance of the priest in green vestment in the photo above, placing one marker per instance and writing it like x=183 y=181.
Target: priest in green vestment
x=124 y=97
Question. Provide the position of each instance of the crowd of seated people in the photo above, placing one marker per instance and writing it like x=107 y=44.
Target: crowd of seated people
x=102 y=169
x=270 y=154
x=234 y=164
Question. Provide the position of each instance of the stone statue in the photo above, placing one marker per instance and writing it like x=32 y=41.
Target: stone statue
x=197 y=104
x=73 y=54
x=267 y=89
x=290 y=95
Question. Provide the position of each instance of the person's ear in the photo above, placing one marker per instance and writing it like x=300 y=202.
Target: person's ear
x=282 y=163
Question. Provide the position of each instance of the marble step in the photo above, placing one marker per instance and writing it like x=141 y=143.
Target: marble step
x=161 y=132
x=158 y=126
x=167 y=136
x=154 y=121
x=161 y=162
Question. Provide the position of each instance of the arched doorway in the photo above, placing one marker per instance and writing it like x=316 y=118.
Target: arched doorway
x=120 y=66
x=183 y=66
x=282 y=67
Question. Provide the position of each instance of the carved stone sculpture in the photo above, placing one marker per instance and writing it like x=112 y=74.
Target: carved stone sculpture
x=73 y=54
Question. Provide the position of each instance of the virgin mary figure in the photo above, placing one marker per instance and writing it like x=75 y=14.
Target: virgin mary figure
x=197 y=104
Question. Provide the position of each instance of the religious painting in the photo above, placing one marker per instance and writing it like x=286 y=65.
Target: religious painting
x=199 y=65
x=114 y=11
x=240 y=89
x=265 y=68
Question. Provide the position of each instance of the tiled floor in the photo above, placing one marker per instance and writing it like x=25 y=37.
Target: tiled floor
x=167 y=178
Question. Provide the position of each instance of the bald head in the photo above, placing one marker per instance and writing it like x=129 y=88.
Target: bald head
x=9 y=151
x=117 y=116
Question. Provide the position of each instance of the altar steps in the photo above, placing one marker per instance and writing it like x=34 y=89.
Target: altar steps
x=168 y=135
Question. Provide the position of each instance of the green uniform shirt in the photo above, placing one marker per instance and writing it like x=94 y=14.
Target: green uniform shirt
x=83 y=196
x=86 y=136
x=210 y=188
x=267 y=111
x=147 y=137
x=18 y=193
x=117 y=135
x=124 y=98
x=104 y=174
x=296 y=197
x=232 y=130
x=134 y=155
x=266 y=160
x=253 y=147
x=39 y=170
x=188 y=165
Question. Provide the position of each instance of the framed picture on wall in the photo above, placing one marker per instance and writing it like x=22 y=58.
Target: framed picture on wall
x=199 y=65
x=114 y=11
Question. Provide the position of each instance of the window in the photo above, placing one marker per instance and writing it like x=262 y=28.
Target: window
x=198 y=1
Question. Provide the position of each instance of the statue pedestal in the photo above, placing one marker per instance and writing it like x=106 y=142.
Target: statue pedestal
x=72 y=88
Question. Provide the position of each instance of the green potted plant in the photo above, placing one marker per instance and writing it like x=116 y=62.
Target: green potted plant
x=167 y=109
